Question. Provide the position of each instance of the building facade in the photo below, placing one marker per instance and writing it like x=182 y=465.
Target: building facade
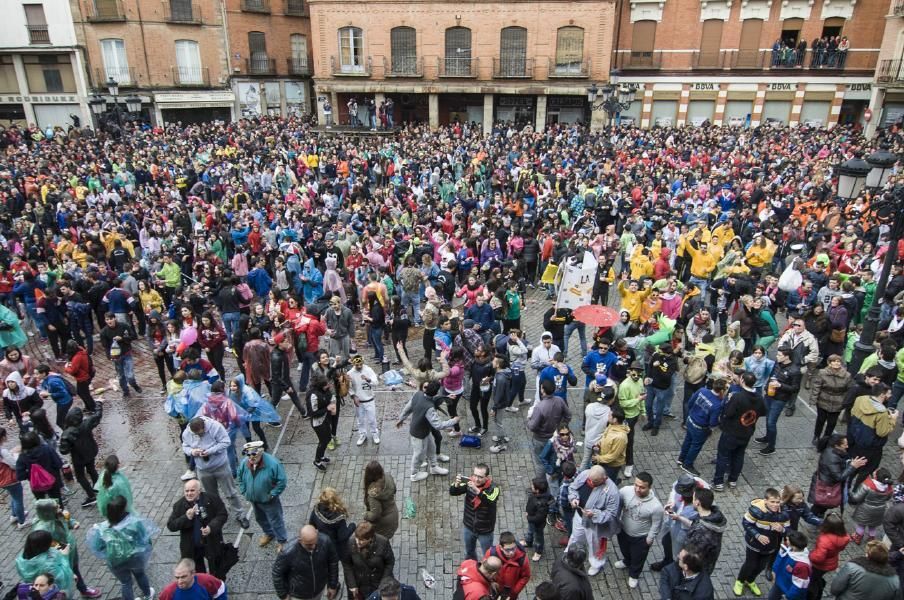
x=172 y=54
x=42 y=72
x=525 y=62
x=887 y=102
x=750 y=61
x=269 y=48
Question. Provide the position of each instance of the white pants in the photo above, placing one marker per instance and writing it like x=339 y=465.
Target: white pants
x=421 y=450
x=589 y=537
x=367 y=418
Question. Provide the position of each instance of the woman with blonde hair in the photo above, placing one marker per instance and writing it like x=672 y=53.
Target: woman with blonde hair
x=868 y=576
x=330 y=517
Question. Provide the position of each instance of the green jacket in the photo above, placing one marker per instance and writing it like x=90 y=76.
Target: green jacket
x=629 y=397
x=263 y=484
x=172 y=274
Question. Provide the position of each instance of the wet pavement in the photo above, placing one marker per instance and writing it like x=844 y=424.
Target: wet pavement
x=146 y=441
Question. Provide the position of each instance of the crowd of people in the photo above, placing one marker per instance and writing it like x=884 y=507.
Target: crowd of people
x=267 y=261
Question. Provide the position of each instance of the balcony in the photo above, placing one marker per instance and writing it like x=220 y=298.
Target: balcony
x=513 y=68
x=38 y=34
x=191 y=76
x=409 y=66
x=898 y=8
x=260 y=66
x=182 y=13
x=101 y=11
x=299 y=66
x=363 y=67
x=563 y=70
x=891 y=73
x=296 y=8
x=709 y=60
x=256 y=6
x=748 y=59
x=639 y=60
x=456 y=66
x=124 y=76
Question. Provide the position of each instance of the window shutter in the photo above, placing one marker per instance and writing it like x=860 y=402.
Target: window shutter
x=710 y=43
x=403 y=41
x=749 y=46
x=643 y=40
x=513 y=51
x=458 y=51
x=299 y=44
x=34 y=14
x=569 y=46
x=257 y=44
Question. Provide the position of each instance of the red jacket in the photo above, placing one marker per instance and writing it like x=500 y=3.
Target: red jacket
x=211 y=337
x=213 y=586
x=515 y=571
x=312 y=328
x=474 y=585
x=828 y=546
x=79 y=367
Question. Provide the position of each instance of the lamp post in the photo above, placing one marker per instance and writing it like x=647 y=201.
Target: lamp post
x=890 y=207
x=852 y=175
x=100 y=107
x=881 y=163
x=613 y=98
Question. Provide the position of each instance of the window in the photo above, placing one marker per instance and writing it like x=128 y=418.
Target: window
x=351 y=50
x=513 y=52
x=404 y=50
x=257 y=49
x=36 y=24
x=188 y=62
x=9 y=84
x=49 y=73
x=832 y=27
x=107 y=9
x=181 y=11
x=116 y=65
x=643 y=38
x=748 y=54
x=569 y=50
x=710 y=44
x=299 y=47
x=791 y=31
x=458 y=51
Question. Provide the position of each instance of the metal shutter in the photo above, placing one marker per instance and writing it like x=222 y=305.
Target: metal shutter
x=815 y=110
x=700 y=110
x=749 y=46
x=569 y=49
x=776 y=110
x=710 y=43
x=643 y=38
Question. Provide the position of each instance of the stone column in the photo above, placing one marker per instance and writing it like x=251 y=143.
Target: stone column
x=540 y=120
x=488 y=113
x=598 y=120
x=433 y=110
x=876 y=103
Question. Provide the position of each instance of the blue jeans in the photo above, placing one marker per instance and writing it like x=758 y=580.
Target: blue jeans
x=897 y=390
x=134 y=567
x=230 y=324
x=470 y=539
x=694 y=440
x=655 y=404
x=16 y=502
x=535 y=537
x=774 y=410
x=269 y=515
x=729 y=458
x=414 y=301
x=701 y=283
x=306 y=360
x=125 y=371
x=230 y=451
x=582 y=336
x=375 y=337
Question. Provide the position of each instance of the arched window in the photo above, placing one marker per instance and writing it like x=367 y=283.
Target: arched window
x=569 y=50
x=513 y=52
x=403 y=41
x=351 y=49
x=458 y=51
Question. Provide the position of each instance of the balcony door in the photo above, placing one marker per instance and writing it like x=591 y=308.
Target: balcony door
x=351 y=50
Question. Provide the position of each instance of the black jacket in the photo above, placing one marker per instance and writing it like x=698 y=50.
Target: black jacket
x=673 y=585
x=789 y=377
x=538 y=508
x=482 y=517
x=279 y=369
x=213 y=514
x=364 y=569
x=740 y=414
x=334 y=526
x=573 y=583
x=893 y=525
x=78 y=437
x=706 y=535
x=44 y=456
x=118 y=330
x=302 y=574
x=833 y=467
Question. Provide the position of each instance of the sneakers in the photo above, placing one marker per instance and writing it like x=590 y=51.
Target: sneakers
x=265 y=539
x=657 y=566
x=632 y=583
x=336 y=441
x=592 y=571
x=719 y=487
x=770 y=575
x=619 y=564
x=136 y=387
x=91 y=593
x=536 y=557
x=151 y=594
x=453 y=433
x=474 y=430
x=443 y=457
x=320 y=466
x=738 y=587
x=438 y=470
x=361 y=439
x=497 y=448
x=767 y=451
x=760 y=440
x=188 y=475
x=331 y=445
x=503 y=439
x=629 y=471
x=420 y=476
x=89 y=502
x=754 y=588
x=511 y=409
x=376 y=438
x=689 y=469
x=655 y=432
x=732 y=484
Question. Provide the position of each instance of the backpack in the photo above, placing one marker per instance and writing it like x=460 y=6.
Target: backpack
x=245 y=292
x=696 y=369
x=70 y=387
x=39 y=479
x=301 y=336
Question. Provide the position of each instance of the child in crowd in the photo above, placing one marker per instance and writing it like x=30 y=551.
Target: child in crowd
x=765 y=524
x=538 y=503
x=870 y=499
x=831 y=540
x=792 y=568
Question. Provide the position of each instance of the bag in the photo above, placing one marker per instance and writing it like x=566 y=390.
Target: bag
x=469 y=441
x=39 y=479
x=245 y=292
x=696 y=369
x=827 y=495
x=392 y=377
x=790 y=280
x=7 y=475
x=837 y=336
x=342 y=385
x=301 y=341
x=229 y=557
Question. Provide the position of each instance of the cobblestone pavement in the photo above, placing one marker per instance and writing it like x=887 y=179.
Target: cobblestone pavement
x=146 y=442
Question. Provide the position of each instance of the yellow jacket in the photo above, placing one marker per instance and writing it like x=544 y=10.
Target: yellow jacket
x=876 y=419
x=725 y=233
x=640 y=263
x=632 y=301
x=702 y=264
x=151 y=300
x=613 y=445
x=758 y=257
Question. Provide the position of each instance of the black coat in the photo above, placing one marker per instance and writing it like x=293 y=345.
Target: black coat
x=45 y=456
x=302 y=574
x=77 y=440
x=334 y=526
x=572 y=583
x=481 y=518
x=673 y=586
x=213 y=515
x=365 y=569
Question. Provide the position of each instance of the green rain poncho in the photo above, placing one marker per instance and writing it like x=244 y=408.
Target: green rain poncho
x=48 y=518
x=118 y=543
x=53 y=562
x=120 y=486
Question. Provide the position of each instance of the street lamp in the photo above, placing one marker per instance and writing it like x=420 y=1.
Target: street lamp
x=100 y=107
x=852 y=175
x=113 y=88
x=891 y=206
x=614 y=99
x=881 y=162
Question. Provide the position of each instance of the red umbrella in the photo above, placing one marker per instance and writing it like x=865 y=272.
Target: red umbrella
x=596 y=315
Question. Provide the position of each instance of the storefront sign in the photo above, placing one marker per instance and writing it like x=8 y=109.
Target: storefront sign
x=781 y=87
x=516 y=101
x=566 y=101
x=703 y=86
x=223 y=97
x=858 y=91
x=40 y=99
x=859 y=87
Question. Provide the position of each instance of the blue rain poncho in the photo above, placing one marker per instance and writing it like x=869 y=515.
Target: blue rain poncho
x=118 y=543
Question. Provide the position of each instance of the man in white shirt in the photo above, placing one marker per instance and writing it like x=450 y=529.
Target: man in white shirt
x=541 y=357
x=362 y=380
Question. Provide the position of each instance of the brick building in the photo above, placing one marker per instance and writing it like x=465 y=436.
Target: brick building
x=41 y=68
x=269 y=50
x=528 y=62
x=754 y=61
x=887 y=102
x=172 y=54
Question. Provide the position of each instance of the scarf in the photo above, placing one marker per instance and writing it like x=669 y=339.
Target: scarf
x=475 y=502
x=564 y=451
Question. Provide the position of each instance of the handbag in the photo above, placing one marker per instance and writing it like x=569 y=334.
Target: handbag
x=7 y=475
x=39 y=479
x=469 y=441
x=837 y=336
x=825 y=494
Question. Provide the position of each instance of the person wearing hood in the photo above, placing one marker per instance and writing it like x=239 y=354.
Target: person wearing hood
x=49 y=517
x=220 y=407
x=332 y=282
x=662 y=268
x=568 y=574
x=312 y=281
x=641 y=521
x=258 y=409
x=78 y=441
x=611 y=446
x=11 y=334
x=724 y=345
x=124 y=541
x=380 y=507
x=330 y=517
x=40 y=556
x=18 y=398
x=867 y=577
x=112 y=483
x=35 y=453
x=870 y=425
x=707 y=529
x=621 y=328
